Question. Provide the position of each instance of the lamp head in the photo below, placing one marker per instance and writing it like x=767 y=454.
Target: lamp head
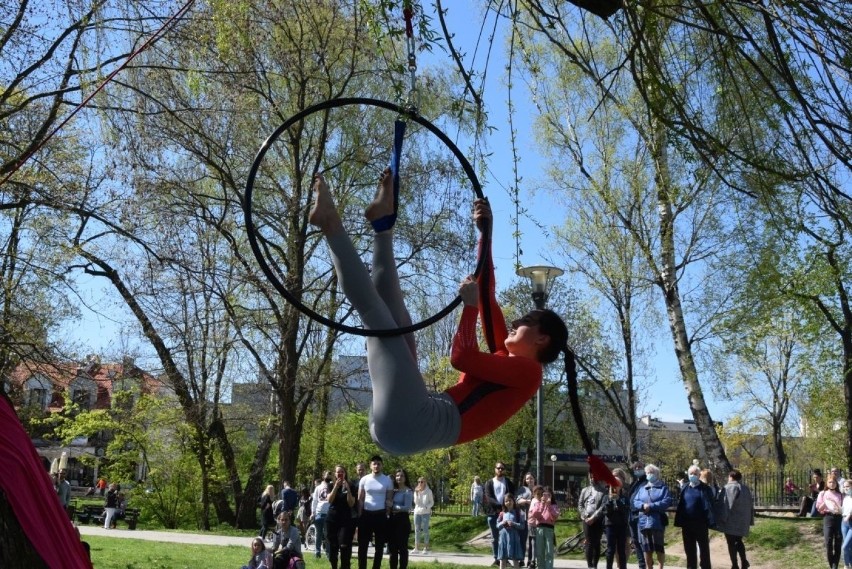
x=541 y=278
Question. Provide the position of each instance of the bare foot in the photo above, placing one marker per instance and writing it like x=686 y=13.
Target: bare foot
x=323 y=213
x=382 y=204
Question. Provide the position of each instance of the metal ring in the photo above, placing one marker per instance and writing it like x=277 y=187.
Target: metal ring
x=258 y=252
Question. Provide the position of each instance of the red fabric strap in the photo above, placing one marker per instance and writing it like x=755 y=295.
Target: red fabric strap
x=32 y=497
x=409 y=27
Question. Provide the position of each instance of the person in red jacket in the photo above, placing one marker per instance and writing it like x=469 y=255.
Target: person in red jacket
x=406 y=417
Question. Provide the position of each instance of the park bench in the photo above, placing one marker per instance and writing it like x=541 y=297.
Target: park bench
x=131 y=516
x=91 y=514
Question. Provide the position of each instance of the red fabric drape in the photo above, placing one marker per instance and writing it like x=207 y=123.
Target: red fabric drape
x=30 y=493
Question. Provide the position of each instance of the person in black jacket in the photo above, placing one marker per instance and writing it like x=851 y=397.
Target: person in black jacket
x=495 y=489
x=694 y=516
x=616 y=523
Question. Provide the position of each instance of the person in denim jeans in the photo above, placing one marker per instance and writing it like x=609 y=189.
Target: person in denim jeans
x=320 y=506
x=423 y=502
x=476 y=490
x=495 y=489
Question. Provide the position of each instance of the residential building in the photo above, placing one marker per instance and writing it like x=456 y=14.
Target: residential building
x=40 y=388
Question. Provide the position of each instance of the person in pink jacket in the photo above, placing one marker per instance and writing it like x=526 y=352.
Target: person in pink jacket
x=543 y=514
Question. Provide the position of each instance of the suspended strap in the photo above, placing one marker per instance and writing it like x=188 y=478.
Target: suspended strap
x=408 y=13
x=485 y=284
x=597 y=467
x=388 y=221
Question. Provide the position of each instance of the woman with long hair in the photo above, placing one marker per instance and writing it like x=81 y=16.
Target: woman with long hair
x=524 y=498
x=829 y=503
x=423 y=502
x=399 y=527
x=267 y=517
x=261 y=558
x=340 y=521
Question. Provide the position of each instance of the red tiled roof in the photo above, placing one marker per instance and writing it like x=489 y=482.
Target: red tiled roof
x=62 y=374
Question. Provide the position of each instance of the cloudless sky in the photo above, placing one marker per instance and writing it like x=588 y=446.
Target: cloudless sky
x=665 y=397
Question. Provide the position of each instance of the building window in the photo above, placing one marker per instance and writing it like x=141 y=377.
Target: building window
x=83 y=391
x=37 y=397
x=81 y=397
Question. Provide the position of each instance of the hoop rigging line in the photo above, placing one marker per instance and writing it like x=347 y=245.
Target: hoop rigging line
x=148 y=43
x=260 y=252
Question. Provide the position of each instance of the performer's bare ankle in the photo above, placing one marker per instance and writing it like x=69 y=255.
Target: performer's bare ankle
x=323 y=212
x=382 y=204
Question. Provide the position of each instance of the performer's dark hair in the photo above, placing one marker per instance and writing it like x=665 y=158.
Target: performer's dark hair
x=552 y=325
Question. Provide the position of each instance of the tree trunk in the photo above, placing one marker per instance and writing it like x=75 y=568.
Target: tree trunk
x=668 y=277
x=677 y=324
x=847 y=390
x=15 y=548
x=246 y=500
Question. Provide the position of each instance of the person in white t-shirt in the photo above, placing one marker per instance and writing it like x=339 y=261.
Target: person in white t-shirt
x=319 y=503
x=375 y=498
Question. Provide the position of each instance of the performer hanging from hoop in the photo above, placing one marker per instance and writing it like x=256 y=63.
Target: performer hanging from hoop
x=405 y=417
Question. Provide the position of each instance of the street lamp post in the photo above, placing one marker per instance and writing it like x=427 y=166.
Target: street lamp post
x=541 y=277
x=553 y=458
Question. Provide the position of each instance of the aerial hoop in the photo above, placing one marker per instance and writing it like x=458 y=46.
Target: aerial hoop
x=409 y=114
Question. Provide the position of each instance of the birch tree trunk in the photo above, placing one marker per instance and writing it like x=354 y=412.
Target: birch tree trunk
x=668 y=267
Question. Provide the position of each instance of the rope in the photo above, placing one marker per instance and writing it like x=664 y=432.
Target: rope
x=413 y=97
x=149 y=42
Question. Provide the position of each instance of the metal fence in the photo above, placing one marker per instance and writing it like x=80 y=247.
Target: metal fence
x=767 y=489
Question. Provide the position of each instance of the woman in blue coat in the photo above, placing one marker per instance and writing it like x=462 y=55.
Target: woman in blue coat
x=651 y=503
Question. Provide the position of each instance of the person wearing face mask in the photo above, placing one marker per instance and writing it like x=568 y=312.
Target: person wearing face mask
x=638 y=483
x=592 y=506
x=652 y=501
x=694 y=517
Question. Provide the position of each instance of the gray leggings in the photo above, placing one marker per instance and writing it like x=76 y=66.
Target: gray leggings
x=405 y=417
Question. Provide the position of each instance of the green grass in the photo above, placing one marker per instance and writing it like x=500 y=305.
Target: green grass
x=113 y=553
x=781 y=543
x=787 y=542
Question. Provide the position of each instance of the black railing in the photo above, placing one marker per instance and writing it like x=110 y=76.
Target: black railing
x=768 y=489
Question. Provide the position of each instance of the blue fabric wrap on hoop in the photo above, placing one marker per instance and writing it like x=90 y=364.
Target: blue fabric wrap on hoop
x=388 y=221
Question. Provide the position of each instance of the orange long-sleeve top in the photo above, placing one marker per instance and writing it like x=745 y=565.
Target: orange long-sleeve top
x=492 y=386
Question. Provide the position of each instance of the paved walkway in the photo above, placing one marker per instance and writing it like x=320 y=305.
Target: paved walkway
x=473 y=559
